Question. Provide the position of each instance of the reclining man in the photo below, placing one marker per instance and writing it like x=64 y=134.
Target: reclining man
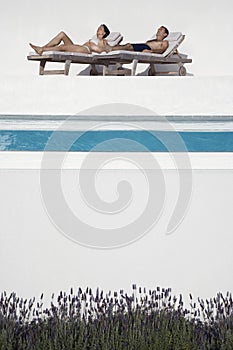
x=158 y=45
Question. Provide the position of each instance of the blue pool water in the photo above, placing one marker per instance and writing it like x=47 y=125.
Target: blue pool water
x=116 y=141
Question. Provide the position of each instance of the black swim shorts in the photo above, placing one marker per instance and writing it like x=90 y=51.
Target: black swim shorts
x=140 y=47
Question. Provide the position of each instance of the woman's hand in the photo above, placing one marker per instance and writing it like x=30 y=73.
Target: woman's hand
x=108 y=48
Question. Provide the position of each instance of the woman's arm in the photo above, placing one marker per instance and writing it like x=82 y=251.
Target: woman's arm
x=102 y=46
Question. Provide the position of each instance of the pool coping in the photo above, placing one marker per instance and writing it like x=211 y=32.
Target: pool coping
x=27 y=160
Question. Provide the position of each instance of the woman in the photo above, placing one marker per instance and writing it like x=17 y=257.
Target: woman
x=99 y=45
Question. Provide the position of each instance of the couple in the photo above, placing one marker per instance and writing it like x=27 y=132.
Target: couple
x=158 y=45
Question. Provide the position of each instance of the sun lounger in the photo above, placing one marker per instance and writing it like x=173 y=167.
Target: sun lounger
x=113 y=61
x=64 y=57
x=170 y=56
x=113 y=38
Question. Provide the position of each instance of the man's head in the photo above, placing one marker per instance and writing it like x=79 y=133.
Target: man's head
x=162 y=32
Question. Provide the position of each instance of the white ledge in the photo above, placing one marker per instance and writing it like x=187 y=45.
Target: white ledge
x=116 y=160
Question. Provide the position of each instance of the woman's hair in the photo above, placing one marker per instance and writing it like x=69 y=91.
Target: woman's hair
x=107 y=31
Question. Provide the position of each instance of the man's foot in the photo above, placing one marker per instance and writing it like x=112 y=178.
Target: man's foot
x=38 y=49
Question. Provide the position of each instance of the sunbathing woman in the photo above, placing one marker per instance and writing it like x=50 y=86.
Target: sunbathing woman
x=99 y=45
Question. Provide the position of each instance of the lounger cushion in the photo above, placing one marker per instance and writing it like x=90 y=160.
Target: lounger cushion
x=113 y=38
x=59 y=53
x=173 y=36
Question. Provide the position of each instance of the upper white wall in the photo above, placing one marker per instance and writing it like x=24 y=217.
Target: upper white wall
x=207 y=25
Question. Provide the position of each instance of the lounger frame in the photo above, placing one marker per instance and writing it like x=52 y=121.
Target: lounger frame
x=126 y=58
x=61 y=57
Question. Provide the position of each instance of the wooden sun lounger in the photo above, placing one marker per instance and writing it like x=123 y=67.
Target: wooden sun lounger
x=63 y=57
x=118 y=58
x=125 y=57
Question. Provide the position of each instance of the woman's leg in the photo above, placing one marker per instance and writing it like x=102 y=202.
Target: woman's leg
x=64 y=48
x=52 y=43
x=58 y=39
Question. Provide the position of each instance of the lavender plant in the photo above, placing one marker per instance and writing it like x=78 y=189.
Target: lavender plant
x=153 y=320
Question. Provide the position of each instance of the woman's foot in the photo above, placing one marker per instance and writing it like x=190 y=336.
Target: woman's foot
x=38 y=49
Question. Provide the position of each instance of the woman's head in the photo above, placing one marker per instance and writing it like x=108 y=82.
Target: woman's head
x=103 y=30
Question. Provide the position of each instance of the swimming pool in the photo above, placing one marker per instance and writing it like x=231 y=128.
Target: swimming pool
x=117 y=134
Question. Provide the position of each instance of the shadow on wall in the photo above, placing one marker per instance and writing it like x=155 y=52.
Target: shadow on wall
x=165 y=70
x=85 y=71
x=169 y=70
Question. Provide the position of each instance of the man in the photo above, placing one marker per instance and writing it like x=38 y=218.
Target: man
x=158 y=45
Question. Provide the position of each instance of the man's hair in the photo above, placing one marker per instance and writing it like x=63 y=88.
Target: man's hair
x=166 y=30
x=107 y=31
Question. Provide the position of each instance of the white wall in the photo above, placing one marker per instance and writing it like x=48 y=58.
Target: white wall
x=71 y=95
x=197 y=257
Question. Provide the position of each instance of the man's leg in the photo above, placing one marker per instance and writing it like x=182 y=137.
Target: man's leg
x=127 y=47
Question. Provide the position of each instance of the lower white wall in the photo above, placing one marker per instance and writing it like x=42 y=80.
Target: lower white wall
x=35 y=257
x=62 y=95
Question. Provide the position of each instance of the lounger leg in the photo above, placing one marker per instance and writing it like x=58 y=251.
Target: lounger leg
x=181 y=69
x=56 y=71
x=42 y=66
x=105 y=70
x=67 y=67
x=118 y=65
x=133 y=71
x=93 y=70
x=152 y=70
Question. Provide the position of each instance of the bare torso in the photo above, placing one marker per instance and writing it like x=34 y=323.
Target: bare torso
x=157 y=46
